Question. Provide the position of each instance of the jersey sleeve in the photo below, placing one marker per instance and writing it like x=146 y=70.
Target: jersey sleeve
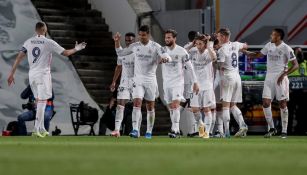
x=265 y=49
x=221 y=56
x=119 y=60
x=289 y=54
x=240 y=45
x=189 y=68
x=126 y=51
x=55 y=47
x=24 y=47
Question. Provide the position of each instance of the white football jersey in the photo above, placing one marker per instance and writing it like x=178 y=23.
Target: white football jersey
x=39 y=52
x=147 y=58
x=202 y=64
x=127 y=63
x=277 y=57
x=173 y=72
x=229 y=55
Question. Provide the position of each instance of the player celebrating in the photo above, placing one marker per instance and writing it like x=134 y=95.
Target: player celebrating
x=173 y=79
x=202 y=59
x=228 y=59
x=148 y=54
x=276 y=82
x=39 y=52
x=125 y=68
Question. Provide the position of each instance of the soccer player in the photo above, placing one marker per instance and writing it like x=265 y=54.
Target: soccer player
x=39 y=51
x=203 y=101
x=228 y=59
x=125 y=68
x=148 y=54
x=188 y=91
x=276 y=82
x=173 y=79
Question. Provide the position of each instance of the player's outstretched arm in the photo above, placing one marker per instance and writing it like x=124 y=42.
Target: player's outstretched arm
x=252 y=54
x=77 y=48
x=19 y=58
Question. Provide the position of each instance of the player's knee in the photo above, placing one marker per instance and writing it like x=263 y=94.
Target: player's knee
x=266 y=104
x=283 y=104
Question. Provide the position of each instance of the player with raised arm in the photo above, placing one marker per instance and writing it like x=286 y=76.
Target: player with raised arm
x=203 y=101
x=173 y=79
x=125 y=68
x=231 y=92
x=39 y=51
x=276 y=82
x=148 y=54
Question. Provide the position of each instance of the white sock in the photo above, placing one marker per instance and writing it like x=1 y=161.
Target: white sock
x=136 y=114
x=171 y=115
x=226 y=120
x=140 y=124
x=284 y=119
x=150 y=121
x=176 y=117
x=40 y=115
x=119 y=116
x=219 y=121
x=208 y=121
x=237 y=114
x=213 y=121
x=198 y=119
x=268 y=116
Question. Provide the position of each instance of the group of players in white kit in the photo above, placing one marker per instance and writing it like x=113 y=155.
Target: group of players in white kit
x=203 y=72
x=139 y=61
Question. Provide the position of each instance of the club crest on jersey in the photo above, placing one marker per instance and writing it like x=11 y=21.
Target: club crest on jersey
x=280 y=52
x=149 y=51
x=137 y=49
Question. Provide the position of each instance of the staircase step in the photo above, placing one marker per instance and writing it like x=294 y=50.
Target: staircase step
x=95 y=65
x=74 y=20
x=60 y=4
x=96 y=41
x=96 y=80
x=68 y=26
x=79 y=33
x=72 y=12
x=94 y=73
x=82 y=58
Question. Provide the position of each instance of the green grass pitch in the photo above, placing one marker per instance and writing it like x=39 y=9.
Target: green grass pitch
x=86 y=155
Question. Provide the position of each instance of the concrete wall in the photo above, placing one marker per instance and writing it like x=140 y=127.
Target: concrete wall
x=118 y=14
x=236 y=14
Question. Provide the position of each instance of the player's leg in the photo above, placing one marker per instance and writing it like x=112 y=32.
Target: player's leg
x=150 y=96
x=267 y=96
x=237 y=114
x=122 y=96
x=219 y=119
x=282 y=95
x=175 y=116
x=195 y=100
x=213 y=112
x=138 y=95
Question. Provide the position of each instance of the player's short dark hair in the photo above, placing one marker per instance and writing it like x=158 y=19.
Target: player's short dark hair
x=280 y=32
x=173 y=32
x=202 y=38
x=130 y=34
x=224 y=31
x=39 y=25
x=192 y=35
x=144 y=28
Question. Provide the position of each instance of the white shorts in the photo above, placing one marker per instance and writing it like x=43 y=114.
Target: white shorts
x=174 y=93
x=204 y=98
x=187 y=91
x=148 y=91
x=124 y=93
x=41 y=85
x=271 y=89
x=231 y=88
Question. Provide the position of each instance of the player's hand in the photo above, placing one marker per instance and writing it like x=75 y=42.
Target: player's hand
x=10 y=79
x=195 y=88
x=116 y=37
x=280 y=78
x=80 y=46
x=112 y=87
